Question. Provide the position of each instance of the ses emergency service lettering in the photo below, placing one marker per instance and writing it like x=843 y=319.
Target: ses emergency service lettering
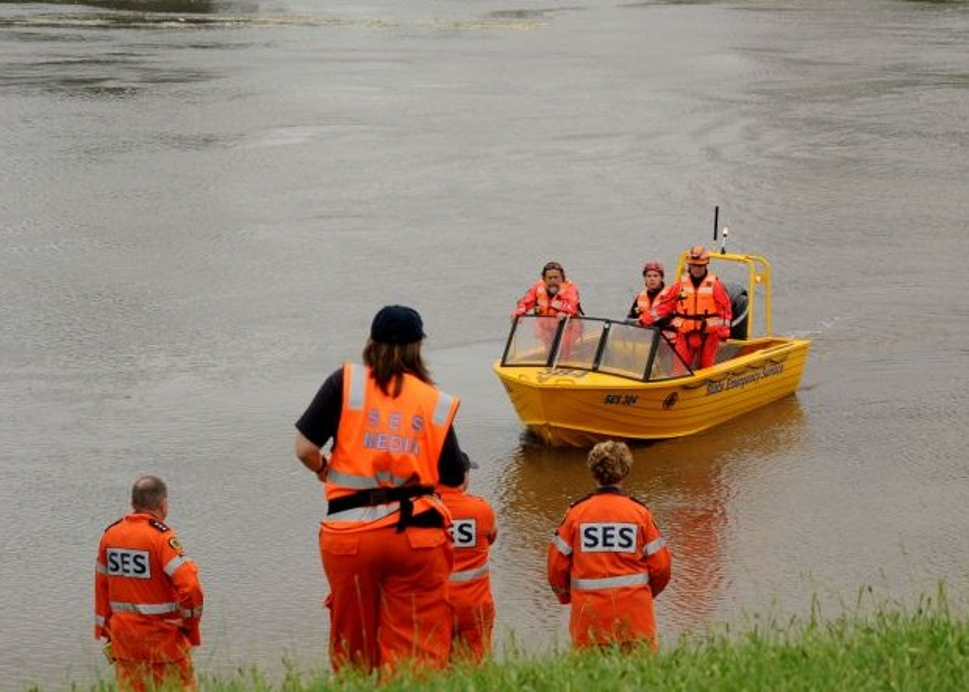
x=392 y=441
x=607 y=537
x=128 y=563
x=743 y=380
x=465 y=533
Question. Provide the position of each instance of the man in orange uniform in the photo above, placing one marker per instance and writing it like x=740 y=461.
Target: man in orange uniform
x=147 y=595
x=384 y=541
x=552 y=295
x=474 y=532
x=700 y=306
x=609 y=559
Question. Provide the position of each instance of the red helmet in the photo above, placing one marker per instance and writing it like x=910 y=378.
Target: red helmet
x=698 y=255
x=654 y=267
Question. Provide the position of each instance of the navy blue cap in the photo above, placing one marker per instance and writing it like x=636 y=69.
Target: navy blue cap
x=396 y=324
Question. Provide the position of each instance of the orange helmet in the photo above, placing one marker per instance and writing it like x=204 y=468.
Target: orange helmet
x=654 y=267
x=698 y=255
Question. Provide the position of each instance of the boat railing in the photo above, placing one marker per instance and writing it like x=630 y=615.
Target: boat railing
x=592 y=344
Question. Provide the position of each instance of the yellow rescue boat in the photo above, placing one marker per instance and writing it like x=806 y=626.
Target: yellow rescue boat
x=577 y=381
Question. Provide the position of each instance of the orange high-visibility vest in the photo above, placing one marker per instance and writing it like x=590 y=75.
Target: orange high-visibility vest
x=148 y=599
x=696 y=309
x=385 y=443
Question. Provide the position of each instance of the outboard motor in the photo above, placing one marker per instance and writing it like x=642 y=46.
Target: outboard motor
x=738 y=308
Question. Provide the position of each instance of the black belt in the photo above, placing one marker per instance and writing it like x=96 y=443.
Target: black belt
x=382 y=496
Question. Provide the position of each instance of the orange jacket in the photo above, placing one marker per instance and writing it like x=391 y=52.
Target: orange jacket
x=385 y=446
x=704 y=308
x=473 y=531
x=608 y=559
x=644 y=303
x=147 y=595
x=538 y=301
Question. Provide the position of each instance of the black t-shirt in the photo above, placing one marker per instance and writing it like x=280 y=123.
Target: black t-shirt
x=320 y=421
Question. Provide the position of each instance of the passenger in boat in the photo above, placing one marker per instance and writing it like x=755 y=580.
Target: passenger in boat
x=384 y=541
x=609 y=559
x=700 y=309
x=653 y=292
x=552 y=295
x=147 y=596
x=474 y=531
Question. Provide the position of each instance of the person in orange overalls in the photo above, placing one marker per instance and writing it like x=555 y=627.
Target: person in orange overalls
x=608 y=559
x=552 y=296
x=474 y=531
x=654 y=290
x=384 y=541
x=147 y=595
x=700 y=306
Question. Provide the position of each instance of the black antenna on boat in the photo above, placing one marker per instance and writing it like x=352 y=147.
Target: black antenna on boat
x=716 y=228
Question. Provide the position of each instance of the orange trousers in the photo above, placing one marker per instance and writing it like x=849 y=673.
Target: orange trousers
x=473 y=627
x=141 y=676
x=699 y=351
x=388 y=597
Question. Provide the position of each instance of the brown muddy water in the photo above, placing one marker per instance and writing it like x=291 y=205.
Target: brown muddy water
x=203 y=204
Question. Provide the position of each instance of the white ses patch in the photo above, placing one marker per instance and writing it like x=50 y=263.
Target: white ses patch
x=128 y=563
x=465 y=533
x=607 y=537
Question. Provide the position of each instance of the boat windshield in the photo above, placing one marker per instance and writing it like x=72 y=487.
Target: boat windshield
x=593 y=344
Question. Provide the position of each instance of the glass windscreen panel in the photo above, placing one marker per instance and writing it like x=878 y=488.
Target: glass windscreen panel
x=626 y=351
x=531 y=341
x=579 y=343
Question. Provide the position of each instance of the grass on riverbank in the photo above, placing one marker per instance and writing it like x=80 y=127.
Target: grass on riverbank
x=926 y=649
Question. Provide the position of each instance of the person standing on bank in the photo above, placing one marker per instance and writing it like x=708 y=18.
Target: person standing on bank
x=700 y=306
x=384 y=540
x=474 y=532
x=147 y=596
x=608 y=559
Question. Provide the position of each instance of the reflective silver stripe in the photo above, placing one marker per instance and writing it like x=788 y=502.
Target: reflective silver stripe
x=357 y=387
x=363 y=513
x=99 y=620
x=562 y=546
x=145 y=608
x=99 y=568
x=611 y=582
x=388 y=477
x=174 y=564
x=470 y=574
x=442 y=408
x=348 y=480
x=193 y=613
x=655 y=546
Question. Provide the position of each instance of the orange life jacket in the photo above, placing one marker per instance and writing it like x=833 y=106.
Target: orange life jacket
x=385 y=452
x=566 y=300
x=148 y=599
x=644 y=302
x=696 y=309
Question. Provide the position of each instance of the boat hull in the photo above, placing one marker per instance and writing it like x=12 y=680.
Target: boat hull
x=578 y=408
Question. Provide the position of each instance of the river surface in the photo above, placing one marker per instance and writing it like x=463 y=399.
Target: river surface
x=204 y=203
